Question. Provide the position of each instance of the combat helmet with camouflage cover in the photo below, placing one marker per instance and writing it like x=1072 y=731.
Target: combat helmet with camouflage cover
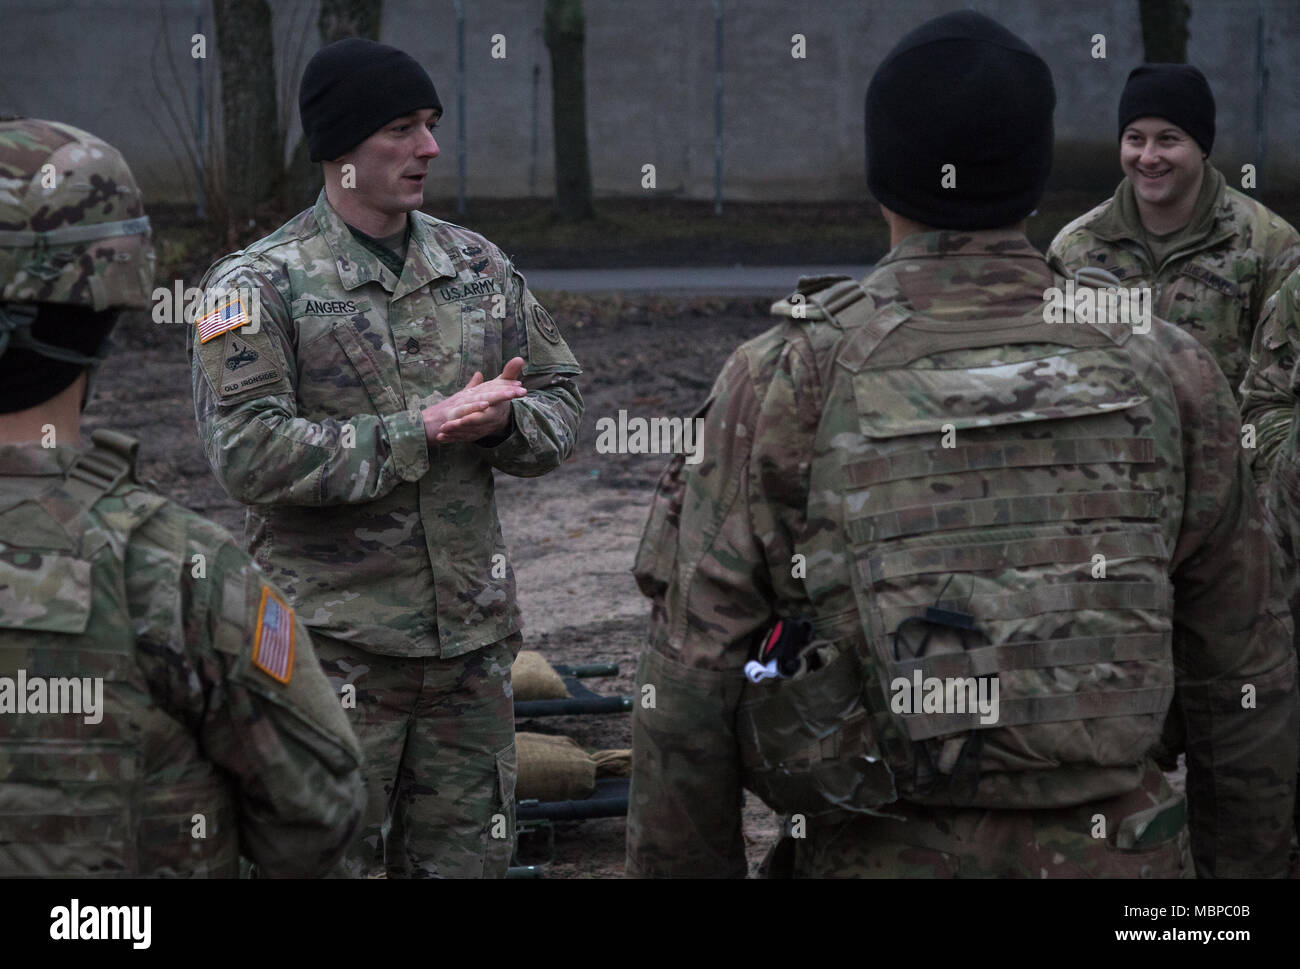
x=72 y=230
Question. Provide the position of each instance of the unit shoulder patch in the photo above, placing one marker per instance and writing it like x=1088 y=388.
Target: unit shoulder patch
x=244 y=366
x=544 y=324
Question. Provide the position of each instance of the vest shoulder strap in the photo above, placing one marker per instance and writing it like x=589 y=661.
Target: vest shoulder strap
x=846 y=303
x=106 y=464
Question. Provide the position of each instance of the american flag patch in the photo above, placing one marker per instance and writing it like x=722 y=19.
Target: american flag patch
x=226 y=317
x=273 y=650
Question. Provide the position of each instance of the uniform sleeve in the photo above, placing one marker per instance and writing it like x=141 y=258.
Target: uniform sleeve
x=228 y=658
x=544 y=424
x=1059 y=257
x=1234 y=664
x=715 y=560
x=1268 y=398
x=1281 y=259
x=260 y=450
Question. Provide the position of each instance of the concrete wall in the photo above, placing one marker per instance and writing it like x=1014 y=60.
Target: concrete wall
x=792 y=128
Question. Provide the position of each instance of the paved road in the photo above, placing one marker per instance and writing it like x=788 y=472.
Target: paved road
x=775 y=281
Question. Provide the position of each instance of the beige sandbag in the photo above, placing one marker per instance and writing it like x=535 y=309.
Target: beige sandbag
x=613 y=763
x=553 y=768
x=536 y=679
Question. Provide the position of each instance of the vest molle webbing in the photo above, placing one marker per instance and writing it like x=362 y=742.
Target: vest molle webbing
x=1002 y=510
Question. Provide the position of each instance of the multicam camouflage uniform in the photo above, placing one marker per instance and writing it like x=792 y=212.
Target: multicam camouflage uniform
x=1268 y=404
x=1269 y=396
x=825 y=491
x=1269 y=390
x=389 y=547
x=203 y=744
x=1214 y=287
x=99 y=577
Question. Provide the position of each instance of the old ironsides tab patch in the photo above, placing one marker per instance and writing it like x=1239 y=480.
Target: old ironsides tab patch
x=245 y=367
x=273 y=643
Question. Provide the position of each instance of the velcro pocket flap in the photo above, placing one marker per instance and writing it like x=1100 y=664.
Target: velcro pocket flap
x=897 y=403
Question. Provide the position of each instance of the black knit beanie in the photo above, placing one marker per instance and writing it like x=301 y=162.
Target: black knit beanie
x=1176 y=92
x=354 y=87
x=960 y=90
x=28 y=378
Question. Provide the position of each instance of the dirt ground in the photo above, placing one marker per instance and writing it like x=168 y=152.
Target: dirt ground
x=572 y=534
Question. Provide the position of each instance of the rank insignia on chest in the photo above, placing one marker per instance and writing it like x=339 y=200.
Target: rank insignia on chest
x=273 y=641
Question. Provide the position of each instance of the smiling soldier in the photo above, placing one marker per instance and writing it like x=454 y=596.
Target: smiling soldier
x=837 y=540
x=1211 y=254
x=346 y=406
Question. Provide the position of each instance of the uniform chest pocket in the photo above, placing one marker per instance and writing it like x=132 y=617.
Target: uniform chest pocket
x=344 y=371
x=1215 y=310
x=456 y=339
x=481 y=343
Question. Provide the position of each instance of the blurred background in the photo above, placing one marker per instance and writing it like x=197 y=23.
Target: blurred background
x=749 y=111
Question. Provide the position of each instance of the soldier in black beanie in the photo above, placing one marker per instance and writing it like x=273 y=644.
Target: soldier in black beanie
x=969 y=147
x=355 y=86
x=357 y=426
x=931 y=446
x=1210 y=254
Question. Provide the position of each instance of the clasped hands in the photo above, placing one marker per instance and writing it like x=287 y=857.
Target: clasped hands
x=479 y=409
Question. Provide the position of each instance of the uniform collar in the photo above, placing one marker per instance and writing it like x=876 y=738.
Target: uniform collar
x=1121 y=221
x=357 y=265
x=968 y=275
x=30 y=460
x=954 y=243
x=425 y=259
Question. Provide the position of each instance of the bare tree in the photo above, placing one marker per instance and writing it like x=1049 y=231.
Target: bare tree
x=254 y=141
x=1164 y=30
x=173 y=114
x=565 y=34
x=349 y=18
